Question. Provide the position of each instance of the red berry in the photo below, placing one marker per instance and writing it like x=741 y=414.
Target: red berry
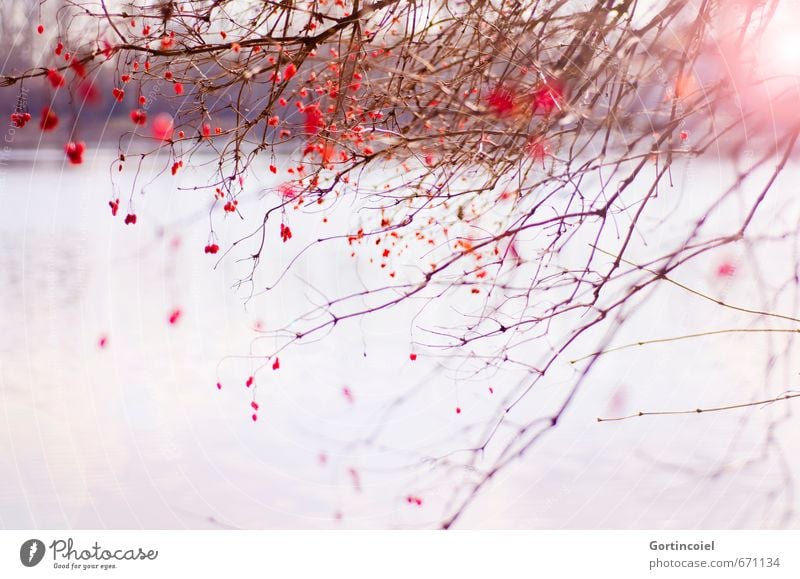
x=174 y=316
x=162 y=127
x=55 y=78
x=19 y=120
x=78 y=68
x=49 y=119
x=546 y=97
x=726 y=269
x=138 y=116
x=501 y=100
x=130 y=219
x=74 y=151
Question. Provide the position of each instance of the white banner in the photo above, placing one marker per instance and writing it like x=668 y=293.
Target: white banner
x=389 y=554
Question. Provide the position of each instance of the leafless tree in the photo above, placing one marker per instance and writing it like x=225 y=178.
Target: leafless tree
x=505 y=154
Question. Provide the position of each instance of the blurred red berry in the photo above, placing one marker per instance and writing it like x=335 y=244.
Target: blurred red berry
x=138 y=116
x=74 y=151
x=501 y=101
x=49 y=119
x=175 y=316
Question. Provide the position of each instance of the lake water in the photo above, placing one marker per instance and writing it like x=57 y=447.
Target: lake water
x=136 y=434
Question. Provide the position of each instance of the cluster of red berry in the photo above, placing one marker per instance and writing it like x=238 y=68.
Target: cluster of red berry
x=19 y=119
x=75 y=152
